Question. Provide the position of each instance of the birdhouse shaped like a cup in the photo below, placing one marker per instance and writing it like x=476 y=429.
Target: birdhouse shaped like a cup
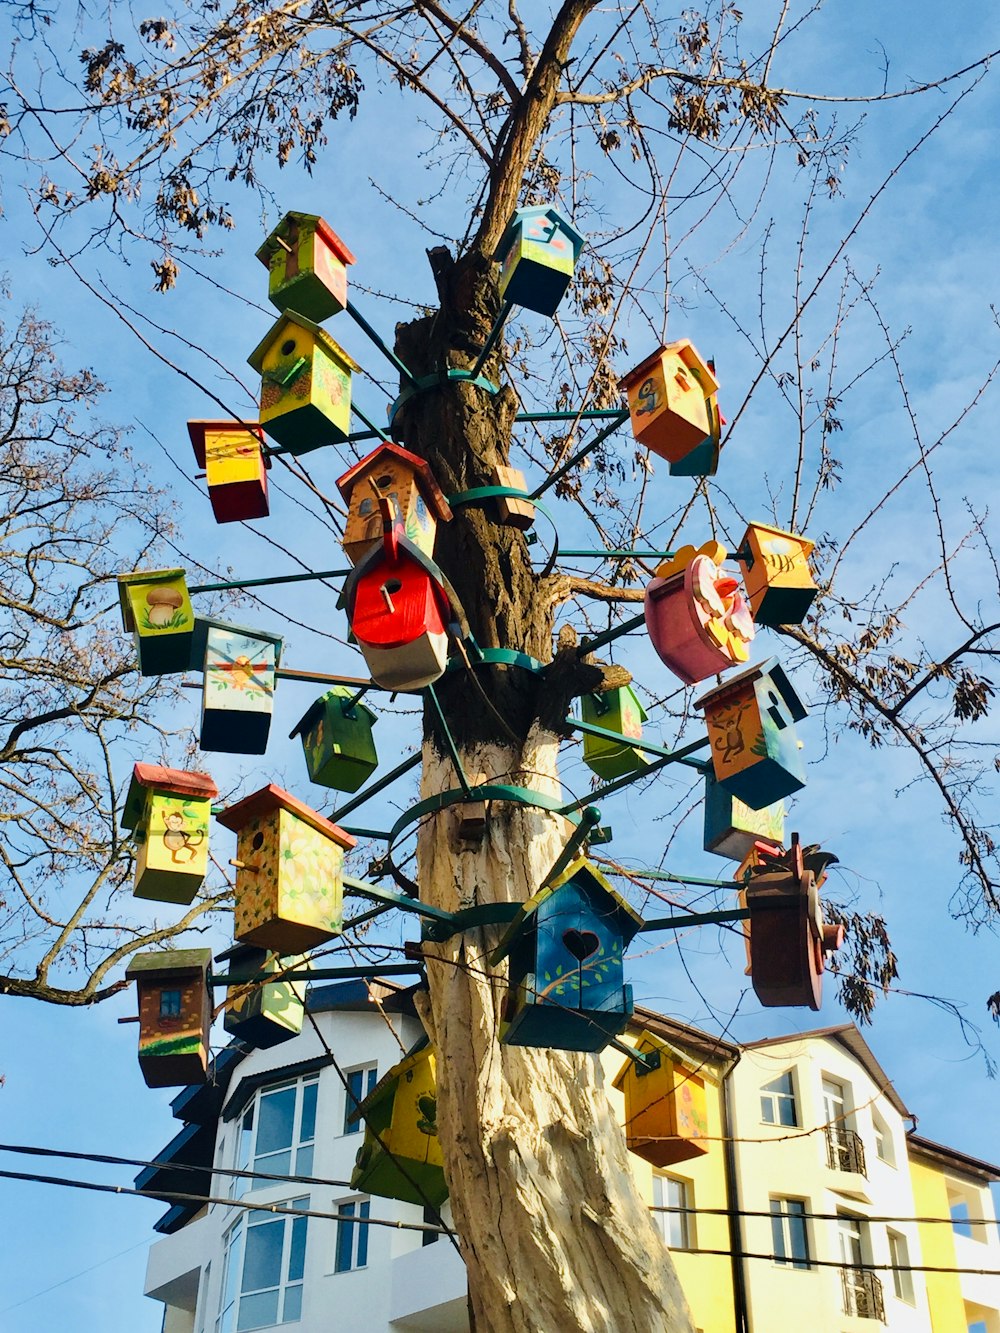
x=732 y=828
x=262 y=1013
x=305 y=394
x=566 y=986
x=696 y=615
x=401 y=1155
x=156 y=611
x=668 y=400
x=167 y=811
x=751 y=728
x=337 y=740
x=666 y=1112
x=306 y=262
x=393 y=473
x=619 y=711
x=537 y=254
x=237 y=686
x=175 y=1014
x=232 y=455
x=776 y=572
x=289 y=872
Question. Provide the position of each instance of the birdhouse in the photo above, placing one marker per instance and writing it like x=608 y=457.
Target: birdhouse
x=305 y=395
x=776 y=572
x=668 y=400
x=289 y=880
x=237 y=687
x=703 y=460
x=537 y=254
x=393 y=473
x=621 y=712
x=167 y=811
x=512 y=511
x=337 y=740
x=732 y=828
x=306 y=262
x=566 y=985
x=697 y=618
x=235 y=464
x=156 y=610
x=666 y=1115
x=262 y=1013
x=751 y=728
x=401 y=1155
x=175 y=1014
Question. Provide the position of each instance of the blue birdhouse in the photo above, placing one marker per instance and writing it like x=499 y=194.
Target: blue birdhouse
x=732 y=828
x=537 y=254
x=238 y=686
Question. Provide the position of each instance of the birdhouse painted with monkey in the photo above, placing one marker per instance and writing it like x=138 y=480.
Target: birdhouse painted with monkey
x=175 y=1014
x=262 y=1013
x=237 y=686
x=620 y=711
x=235 y=464
x=776 y=572
x=732 y=828
x=668 y=400
x=289 y=872
x=393 y=473
x=401 y=1155
x=305 y=395
x=666 y=1113
x=167 y=811
x=306 y=262
x=337 y=740
x=696 y=615
x=156 y=611
x=538 y=253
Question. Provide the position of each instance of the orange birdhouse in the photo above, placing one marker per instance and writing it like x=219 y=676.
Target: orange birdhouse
x=669 y=400
x=666 y=1114
x=391 y=472
x=776 y=571
x=306 y=262
x=235 y=464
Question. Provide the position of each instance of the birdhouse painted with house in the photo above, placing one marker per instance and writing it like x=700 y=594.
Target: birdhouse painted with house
x=751 y=728
x=289 y=876
x=305 y=395
x=401 y=1155
x=538 y=253
x=776 y=572
x=393 y=473
x=696 y=615
x=703 y=460
x=306 y=262
x=666 y=1113
x=732 y=828
x=232 y=455
x=619 y=711
x=337 y=740
x=262 y=1013
x=668 y=401
x=156 y=611
x=237 y=686
x=175 y=1014
x=167 y=811
x=566 y=987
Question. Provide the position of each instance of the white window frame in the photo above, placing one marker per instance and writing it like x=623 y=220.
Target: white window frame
x=902 y=1275
x=295 y=1159
x=790 y=1209
x=677 y=1228
x=885 y=1148
x=204 y=1284
x=234 y=1290
x=773 y=1099
x=355 y=1209
x=368 y=1078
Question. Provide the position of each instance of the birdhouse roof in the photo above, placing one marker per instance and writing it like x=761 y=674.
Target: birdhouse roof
x=143 y=576
x=420 y=1051
x=332 y=348
x=603 y=898
x=169 y=962
x=804 y=542
x=523 y=215
x=271 y=798
x=312 y=714
x=202 y=625
x=770 y=669
x=422 y=475
x=323 y=230
x=646 y=1044
x=171 y=781
x=197 y=430
x=687 y=352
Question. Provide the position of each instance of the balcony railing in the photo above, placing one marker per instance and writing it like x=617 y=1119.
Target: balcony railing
x=845 y=1150
x=862 y=1294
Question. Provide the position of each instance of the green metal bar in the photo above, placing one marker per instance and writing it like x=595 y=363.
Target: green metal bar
x=589 y=820
x=609 y=788
x=621 y=554
x=362 y=889
x=360 y=320
x=620 y=419
x=376 y=787
x=491 y=341
x=362 y=917
x=589 y=414
x=472 y=918
x=609 y=635
x=645 y=1062
x=347 y=705
x=603 y=734
x=368 y=422
x=316 y=974
x=696 y=919
x=378 y=833
x=665 y=877
x=261 y=583
x=450 y=742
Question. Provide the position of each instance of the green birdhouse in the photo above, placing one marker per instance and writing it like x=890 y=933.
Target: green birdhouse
x=306 y=262
x=305 y=395
x=337 y=740
x=167 y=811
x=621 y=712
x=156 y=611
x=538 y=253
x=262 y=1013
x=237 y=686
x=175 y=1014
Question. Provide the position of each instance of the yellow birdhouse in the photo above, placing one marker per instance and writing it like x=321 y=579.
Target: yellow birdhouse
x=306 y=260
x=156 y=610
x=167 y=811
x=666 y=1114
x=235 y=464
x=669 y=400
x=417 y=500
x=776 y=572
x=305 y=396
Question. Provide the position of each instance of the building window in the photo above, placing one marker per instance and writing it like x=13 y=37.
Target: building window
x=899 y=1257
x=676 y=1227
x=352 y=1235
x=201 y=1323
x=777 y=1101
x=276 y=1133
x=963 y=1205
x=170 y=1004
x=359 y=1084
x=789 y=1237
x=883 y=1140
x=263 y=1269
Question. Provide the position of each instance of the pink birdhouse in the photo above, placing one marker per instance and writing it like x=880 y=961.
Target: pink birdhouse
x=696 y=615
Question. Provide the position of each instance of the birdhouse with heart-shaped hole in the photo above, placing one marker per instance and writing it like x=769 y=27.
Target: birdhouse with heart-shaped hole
x=696 y=615
x=666 y=1109
x=167 y=811
x=619 y=711
x=232 y=455
x=175 y=1014
x=157 y=612
x=259 y=1011
x=305 y=392
x=391 y=472
x=668 y=401
x=307 y=267
x=538 y=254
x=732 y=828
x=337 y=740
x=776 y=572
x=237 y=686
x=703 y=460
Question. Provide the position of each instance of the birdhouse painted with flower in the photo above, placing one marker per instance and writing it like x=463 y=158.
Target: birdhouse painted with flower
x=696 y=615
x=538 y=253
x=776 y=572
x=619 y=711
x=306 y=262
x=337 y=740
x=732 y=828
x=262 y=1013
x=167 y=811
x=666 y=1112
x=668 y=400
x=289 y=872
x=175 y=1014
x=393 y=473
x=305 y=395
x=401 y=1155
x=156 y=611
x=237 y=687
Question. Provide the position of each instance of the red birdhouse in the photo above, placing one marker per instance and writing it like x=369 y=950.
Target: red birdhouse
x=697 y=617
x=235 y=464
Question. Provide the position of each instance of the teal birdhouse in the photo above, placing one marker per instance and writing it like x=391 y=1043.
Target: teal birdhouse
x=337 y=740
x=566 y=987
x=621 y=712
x=238 y=686
x=262 y=1013
x=732 y=828
x=306 y=262
x=538 y=253
x=305 y=394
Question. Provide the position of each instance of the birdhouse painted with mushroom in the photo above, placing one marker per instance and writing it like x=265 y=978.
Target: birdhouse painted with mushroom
x=619 y=711
x=305 y=395
x=401 y=1155
x=237 y=687
x=393 y=473
x=696 y=615
x=262 y=1013
x=751 y=728
x=669 y=401
x=732 y=828
x=537 y=254
x=235 y=464
x=776 y=572
x=289 y=876
x=175 y=1014
x=306 y=262
x=566 y=986
x=156 y=611
x=337 y=740
x=167 y=811
x=666 y=1113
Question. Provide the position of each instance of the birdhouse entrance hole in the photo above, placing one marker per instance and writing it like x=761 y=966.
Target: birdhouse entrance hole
x=288 y=347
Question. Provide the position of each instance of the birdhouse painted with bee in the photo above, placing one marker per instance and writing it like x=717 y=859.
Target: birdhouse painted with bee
x=235 y=464
x=732 y=828
x=668 y=400
x=262 y=1013
x=666 y=1111
x=696 y=615
x=167 y=811
x=401 y=1155
x=751 y=728
x=306 y=262
x=565 y=946
x=619 y=711
x=776 y=572
x=305 y=396
x=175 y=1014
x=393 y=473
x=237 y=686
x=703 y=460
x=337 y=740
x=156 y=611
x=289 y=872
x=538 y=253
